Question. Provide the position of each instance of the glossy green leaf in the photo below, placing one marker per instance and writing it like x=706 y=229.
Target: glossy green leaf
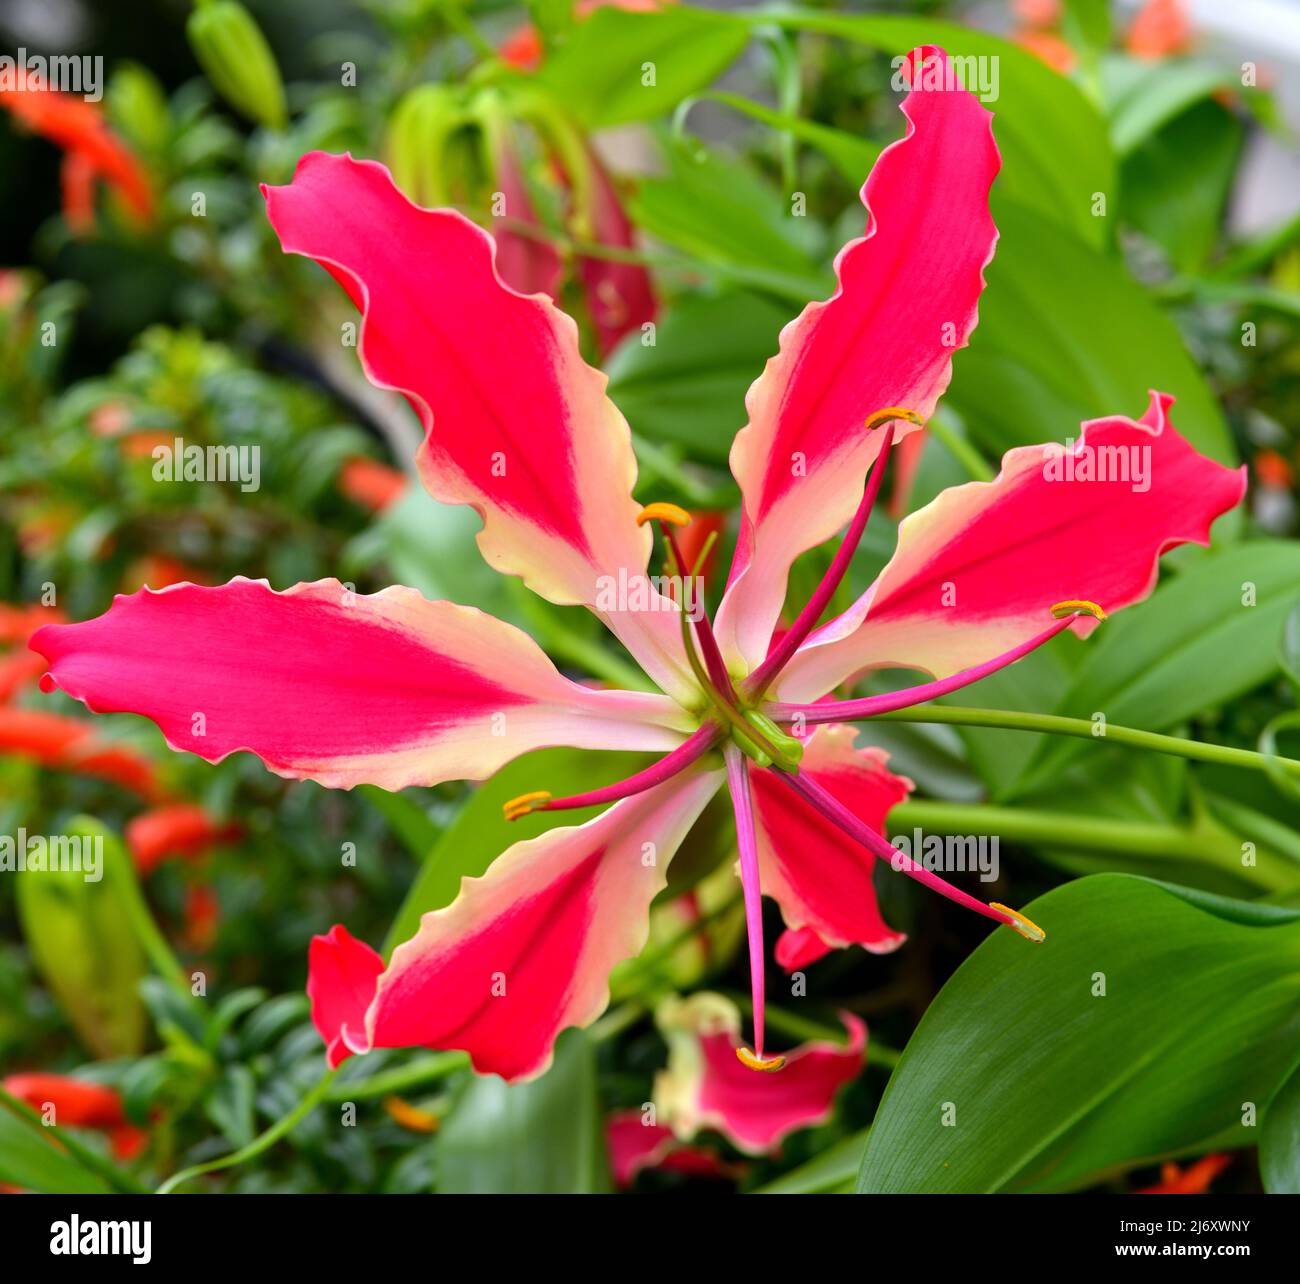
x=1055 y=153
x=1179 y=204
x=618 y=66
x=1279 y=1139
x=541 y=1137
x=1046 y=1083
x=480 y=834
x=1143 y=97
x=1066 y=335
x=689 y=388
x=830 y=1173
x=1162 y=661
x=81 y=938
x=34 y=1162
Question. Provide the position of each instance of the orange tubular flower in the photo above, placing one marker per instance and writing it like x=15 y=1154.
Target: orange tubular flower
x=1195 y=1179
x=180 y=829
x=371 y=484
x=1160 y=30
x=63 y=743
x=80 y=1104
x=92 y=150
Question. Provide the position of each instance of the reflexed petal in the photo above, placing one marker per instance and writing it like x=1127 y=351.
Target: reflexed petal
x=341 y=976
x=526 y=950
x=634 y=1144
x=977 y=571
x=797 y=949
x=340 y=687
x=906 y=302
x=517 y=424
x=706 y=1086
x=821 y=881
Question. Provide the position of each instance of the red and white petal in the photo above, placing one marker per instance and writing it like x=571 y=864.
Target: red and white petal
x=340 y=687
x=798 y=948
x=634 y=1144
x=822 y=882
x=706 y=1086
x=906 y=301
x=517 y=425
x=342 y=973
x=526 y=951
x=977 y=571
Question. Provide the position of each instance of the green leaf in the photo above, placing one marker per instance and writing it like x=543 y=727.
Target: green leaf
x=541 y=1137
x=1143 y=97
x=689 y=388
x=722 y=213
x=479 y=834
x=36 y=1163
x=406 y=818
x=1050 y=1085
x=1279 y=1139
x=81 y=938
x=1289 y=646
x=1089 y=21
x=1055 y=152
x=1065 y=335
x=1180 y=205
x=1162 y=661
x=830 y=1173
x=618 y=66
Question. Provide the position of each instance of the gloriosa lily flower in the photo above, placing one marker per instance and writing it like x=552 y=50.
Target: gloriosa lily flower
x=396 y=690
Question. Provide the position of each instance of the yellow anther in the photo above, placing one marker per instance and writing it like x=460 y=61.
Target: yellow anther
x=410 y=1117
x=524 y=804
x=1026 y=927
x=893 y=412
x=1078 y=607
x=767 y=1064
x=663 y=513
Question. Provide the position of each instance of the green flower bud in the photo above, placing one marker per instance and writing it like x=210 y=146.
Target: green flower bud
x=419 y=131
x=235 y=57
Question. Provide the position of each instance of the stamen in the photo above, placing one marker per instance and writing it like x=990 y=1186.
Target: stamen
x=689 y=751
x=871 y=706
x=715 y=666
x=524 y=804
x=780 y=656
x=835 y=811
x=1025 y=926
x=663 y=512
x=747 y=840
x=1078 y=606
x=766 y=1064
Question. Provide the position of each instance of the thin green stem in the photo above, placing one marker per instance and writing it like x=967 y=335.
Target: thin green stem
x=265 y=1141
x=82 y=1153
x=966 y=455
x=421 y=1071
x=1101 y=733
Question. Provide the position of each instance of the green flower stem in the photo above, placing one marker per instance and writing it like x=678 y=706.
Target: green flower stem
x=1084 y=729
x=415 y=1074
x=83 y=1154
x=319 y=1093
x=961 y=449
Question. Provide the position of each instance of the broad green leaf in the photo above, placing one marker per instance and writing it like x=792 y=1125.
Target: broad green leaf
x=617 y=66
x=1279 y=1139
x=38 y=1163
x=1089 y=21
x=479 y=834
x=1179 y=203
x=722 y=213
x=1162 y=661
x=81 y=938
x=1047 y=1083
x=1289 y=646
x=542 y=1137
x=406 y=818
x=689 y=388
x=1066 y=335
x=1143 y=97
x=851 y=155
x=1055 y=153
x=831 y=1173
